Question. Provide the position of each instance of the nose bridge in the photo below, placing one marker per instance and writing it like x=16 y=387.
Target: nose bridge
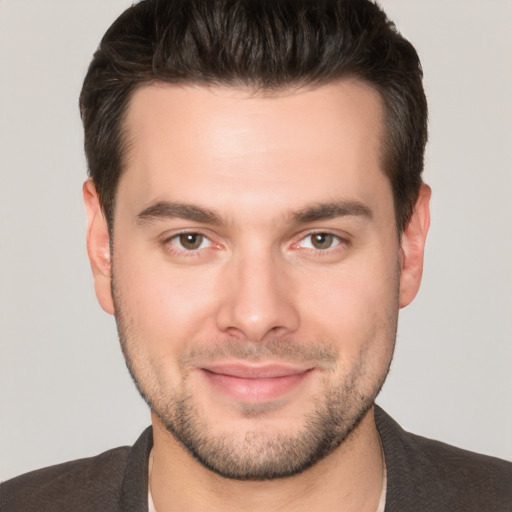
x=259 y=301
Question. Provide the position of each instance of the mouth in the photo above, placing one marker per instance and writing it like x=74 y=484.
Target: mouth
x=255 y=383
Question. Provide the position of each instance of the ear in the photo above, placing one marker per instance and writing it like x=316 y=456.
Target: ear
x=98 y=247
x=412 y=247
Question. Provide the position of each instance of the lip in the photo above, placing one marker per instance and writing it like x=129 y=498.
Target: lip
x=255 y=383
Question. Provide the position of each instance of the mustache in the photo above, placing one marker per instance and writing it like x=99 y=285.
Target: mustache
x=275 y=349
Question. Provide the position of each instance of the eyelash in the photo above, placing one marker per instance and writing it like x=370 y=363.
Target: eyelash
x=171 y=243
x=336 y=241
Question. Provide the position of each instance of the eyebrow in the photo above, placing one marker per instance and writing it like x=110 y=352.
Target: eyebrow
x=324 y=211
x=169 y=210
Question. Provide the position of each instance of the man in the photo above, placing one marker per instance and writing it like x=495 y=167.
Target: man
x=256 y=219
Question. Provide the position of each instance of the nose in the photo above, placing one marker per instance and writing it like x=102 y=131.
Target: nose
x=258 y=301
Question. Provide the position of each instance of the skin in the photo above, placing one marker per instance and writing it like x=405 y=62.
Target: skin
x=259 y=281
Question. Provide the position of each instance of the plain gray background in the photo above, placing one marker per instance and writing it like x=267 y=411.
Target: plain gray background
x=64 y=389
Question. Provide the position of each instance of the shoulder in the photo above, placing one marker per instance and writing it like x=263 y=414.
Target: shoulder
x=465 y=477
x=430 y=475
x=81 y=485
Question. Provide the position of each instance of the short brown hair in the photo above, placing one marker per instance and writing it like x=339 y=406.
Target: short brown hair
x=266 y=44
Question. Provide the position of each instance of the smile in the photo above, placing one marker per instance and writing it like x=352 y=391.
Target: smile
x=254 y=384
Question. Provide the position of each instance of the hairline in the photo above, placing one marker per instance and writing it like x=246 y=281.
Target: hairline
x=126 y=139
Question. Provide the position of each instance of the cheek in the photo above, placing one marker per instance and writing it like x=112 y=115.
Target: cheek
x=164 y=305
x=355 y=310
x=350 y=297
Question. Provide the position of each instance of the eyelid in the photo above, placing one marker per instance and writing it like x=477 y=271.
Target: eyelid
x=169 y=241
x=342 y=239
x=175 y=233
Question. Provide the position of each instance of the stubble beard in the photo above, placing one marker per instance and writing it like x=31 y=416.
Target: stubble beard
x=260 y=454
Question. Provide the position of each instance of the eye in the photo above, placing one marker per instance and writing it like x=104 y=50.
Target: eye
x=190 y=241
x=320 y=241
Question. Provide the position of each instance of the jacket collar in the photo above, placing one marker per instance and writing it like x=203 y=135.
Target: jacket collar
x=134 y=492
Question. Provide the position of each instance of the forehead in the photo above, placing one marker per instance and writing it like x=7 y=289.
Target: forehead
x=234 y=143
x=224 y=114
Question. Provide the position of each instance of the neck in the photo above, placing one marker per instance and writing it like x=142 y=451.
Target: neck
x=349 y=479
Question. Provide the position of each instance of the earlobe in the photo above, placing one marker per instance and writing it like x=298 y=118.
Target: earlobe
x=98 y=247
x=413 y=246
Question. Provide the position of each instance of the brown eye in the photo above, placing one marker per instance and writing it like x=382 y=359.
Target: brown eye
x=191 y=241
x=322 y=240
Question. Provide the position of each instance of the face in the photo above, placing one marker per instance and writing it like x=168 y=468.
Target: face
x=256 y=269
